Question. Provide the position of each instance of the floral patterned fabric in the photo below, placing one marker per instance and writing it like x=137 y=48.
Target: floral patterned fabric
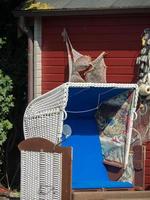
x=112 y=119
x=128 y=174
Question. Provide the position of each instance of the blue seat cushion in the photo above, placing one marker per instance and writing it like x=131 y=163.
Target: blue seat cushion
x=88 y=170
x=100 y=184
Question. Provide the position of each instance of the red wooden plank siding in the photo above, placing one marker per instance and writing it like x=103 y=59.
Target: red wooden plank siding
x=119 y=36
x=147 y=166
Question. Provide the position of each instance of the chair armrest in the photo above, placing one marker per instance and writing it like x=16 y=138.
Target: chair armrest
x=114 y=169
x=139 y=165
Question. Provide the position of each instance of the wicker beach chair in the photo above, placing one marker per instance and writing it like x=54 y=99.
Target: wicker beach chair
x=73 y=106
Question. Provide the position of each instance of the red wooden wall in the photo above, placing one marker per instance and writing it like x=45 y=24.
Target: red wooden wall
x=147 y=166
x=119 y=36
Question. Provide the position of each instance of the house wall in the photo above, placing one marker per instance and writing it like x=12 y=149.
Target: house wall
x=147 y=168
x=119 y=36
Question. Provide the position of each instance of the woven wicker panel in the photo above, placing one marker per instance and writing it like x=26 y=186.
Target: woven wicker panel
x=57 y=176
x=41 y=175
x=44 y=126
x=30 y=178
x=44 y=115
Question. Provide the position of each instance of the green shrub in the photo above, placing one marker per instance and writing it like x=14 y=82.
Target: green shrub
x=6 y=103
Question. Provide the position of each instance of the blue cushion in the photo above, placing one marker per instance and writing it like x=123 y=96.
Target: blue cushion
x=88 y=170
x=100 y=184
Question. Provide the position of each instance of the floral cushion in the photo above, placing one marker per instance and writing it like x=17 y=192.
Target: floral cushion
x=112 y=119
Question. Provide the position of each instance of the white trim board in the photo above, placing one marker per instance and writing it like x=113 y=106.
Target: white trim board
x=37 y=83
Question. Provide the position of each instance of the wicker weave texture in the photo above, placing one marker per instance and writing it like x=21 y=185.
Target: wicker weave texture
x=41 y=176
x=44 y=115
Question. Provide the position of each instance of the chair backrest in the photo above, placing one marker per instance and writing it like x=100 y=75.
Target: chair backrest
x=42 y=164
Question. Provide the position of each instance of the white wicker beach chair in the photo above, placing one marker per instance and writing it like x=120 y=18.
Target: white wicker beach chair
x=45 y=117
